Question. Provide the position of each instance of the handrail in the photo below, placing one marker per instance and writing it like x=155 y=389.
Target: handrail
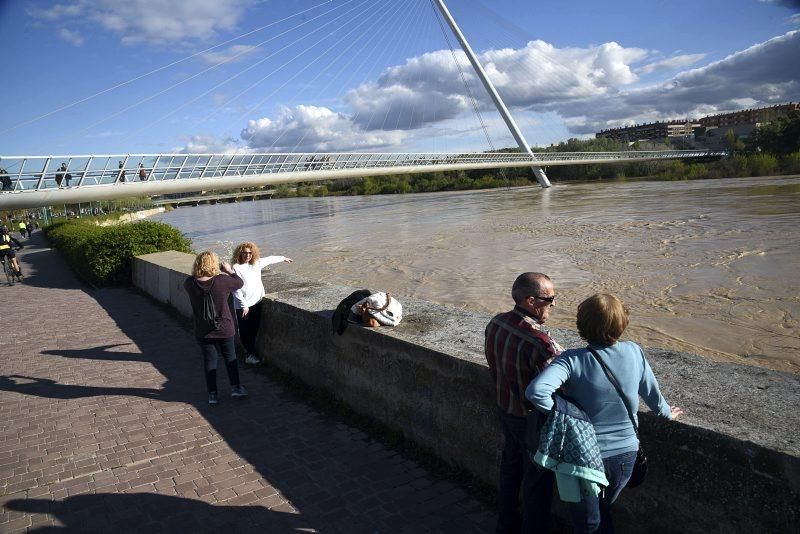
x=193 y=172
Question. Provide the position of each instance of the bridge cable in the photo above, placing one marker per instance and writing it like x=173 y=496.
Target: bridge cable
x=141 y=101
x=376 y=65
x=307 y=66
x=156 y=70
x=343 y=86
x=205 y=93
x=475 y=108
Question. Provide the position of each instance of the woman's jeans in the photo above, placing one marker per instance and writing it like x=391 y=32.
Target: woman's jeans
x=248 y=327
x=593 y=514
x=212 y=349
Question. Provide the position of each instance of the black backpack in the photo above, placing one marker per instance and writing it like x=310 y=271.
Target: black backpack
x=342 y=313
x=208 y=311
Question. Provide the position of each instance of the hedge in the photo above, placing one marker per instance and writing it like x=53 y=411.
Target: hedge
x=102 y=255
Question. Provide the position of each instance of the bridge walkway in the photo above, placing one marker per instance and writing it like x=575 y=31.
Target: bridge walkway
x=105 y=427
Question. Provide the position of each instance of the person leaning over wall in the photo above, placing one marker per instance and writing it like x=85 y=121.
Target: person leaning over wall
x=213 y=322
x=517 y=349
x=248 y=264
x=602 y=318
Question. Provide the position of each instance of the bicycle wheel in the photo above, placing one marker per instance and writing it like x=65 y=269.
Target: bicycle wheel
x=9 y=274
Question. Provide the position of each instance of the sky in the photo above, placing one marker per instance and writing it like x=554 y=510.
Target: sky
x=210 y=76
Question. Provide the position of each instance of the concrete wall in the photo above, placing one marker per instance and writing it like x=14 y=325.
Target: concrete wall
x=731 y=465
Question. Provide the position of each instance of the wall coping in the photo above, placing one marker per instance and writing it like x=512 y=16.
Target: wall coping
x=746 y=403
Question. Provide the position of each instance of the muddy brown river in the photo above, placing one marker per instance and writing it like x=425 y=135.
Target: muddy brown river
x=709 y=267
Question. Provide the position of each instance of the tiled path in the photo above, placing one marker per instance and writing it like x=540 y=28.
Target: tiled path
x=104 y=426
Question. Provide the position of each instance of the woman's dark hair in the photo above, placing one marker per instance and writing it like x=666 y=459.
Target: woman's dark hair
x=602 y=318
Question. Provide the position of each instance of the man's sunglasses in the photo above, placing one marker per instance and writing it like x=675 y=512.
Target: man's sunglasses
x=549 y=300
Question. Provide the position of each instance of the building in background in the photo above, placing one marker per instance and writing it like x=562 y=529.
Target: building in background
x=707 y=132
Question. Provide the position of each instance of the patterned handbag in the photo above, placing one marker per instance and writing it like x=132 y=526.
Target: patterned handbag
x=640 y=467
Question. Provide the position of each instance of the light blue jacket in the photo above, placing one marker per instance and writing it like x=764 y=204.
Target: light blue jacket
x=587 y=384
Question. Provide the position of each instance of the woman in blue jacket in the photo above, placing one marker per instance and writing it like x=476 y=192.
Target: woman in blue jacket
x=601 y=321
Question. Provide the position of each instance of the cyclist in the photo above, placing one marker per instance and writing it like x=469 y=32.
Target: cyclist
x=7 y=251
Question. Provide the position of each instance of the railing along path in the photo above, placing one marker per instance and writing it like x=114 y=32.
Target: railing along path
x=31 y=181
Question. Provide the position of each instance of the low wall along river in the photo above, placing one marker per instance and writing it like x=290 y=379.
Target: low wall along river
x=732 y=464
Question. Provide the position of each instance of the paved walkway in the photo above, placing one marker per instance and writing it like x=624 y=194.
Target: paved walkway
x=104 y=426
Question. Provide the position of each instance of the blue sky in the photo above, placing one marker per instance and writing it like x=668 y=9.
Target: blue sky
x=114 y=77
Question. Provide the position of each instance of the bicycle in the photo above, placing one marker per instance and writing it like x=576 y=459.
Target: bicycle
x=7 y=269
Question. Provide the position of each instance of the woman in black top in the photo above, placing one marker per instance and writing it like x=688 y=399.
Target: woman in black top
x=215 y=340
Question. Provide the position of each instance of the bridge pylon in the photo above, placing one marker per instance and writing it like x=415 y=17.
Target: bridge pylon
x=498 y=102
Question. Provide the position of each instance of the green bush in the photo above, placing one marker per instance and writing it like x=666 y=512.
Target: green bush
x=102 y=255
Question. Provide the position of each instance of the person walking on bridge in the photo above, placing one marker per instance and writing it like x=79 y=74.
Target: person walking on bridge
x=248 y=264
x=517 y=349
x=208 y=291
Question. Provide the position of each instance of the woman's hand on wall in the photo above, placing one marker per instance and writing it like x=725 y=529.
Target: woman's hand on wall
x=675 y=412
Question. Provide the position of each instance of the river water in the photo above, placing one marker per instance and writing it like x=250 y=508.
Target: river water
x=709 y=267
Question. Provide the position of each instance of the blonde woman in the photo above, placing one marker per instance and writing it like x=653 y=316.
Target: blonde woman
x=602 y=318
x=248 y=264
x=215 y=337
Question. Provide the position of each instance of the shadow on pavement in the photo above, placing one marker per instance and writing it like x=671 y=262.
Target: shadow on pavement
x=110 y=512
x=339 y=479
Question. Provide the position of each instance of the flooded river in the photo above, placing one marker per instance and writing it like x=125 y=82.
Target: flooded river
x=709 y=267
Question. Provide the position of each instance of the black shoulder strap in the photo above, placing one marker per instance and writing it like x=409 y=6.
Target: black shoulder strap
x=613 y=380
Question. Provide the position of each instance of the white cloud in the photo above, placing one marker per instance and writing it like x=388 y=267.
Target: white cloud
x=208 y=144
x=764 y=74
x=314 y=129
x=151 y=21
x=56 y=12
x=231 y=54
x=70 y=36
x=671 y=63
x=589 y=88
x=429 y=88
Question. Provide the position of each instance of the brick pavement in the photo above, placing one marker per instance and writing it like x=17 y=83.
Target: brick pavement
x=104 y=426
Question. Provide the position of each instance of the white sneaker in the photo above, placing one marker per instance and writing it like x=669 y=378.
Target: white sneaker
x=252 y=359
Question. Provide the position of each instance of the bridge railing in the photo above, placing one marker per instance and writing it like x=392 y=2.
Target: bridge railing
x=38 y=173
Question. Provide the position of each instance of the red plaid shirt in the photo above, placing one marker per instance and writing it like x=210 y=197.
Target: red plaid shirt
x=517 y=349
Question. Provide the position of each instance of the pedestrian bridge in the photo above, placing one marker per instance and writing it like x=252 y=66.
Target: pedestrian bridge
x=34 y=181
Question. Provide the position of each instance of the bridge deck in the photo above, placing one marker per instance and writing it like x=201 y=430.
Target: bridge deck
x=32 y=181
x=106 y=428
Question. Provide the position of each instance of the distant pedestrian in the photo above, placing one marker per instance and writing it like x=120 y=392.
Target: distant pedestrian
x=60 y=174
x=247 y=301
x=121 y=176
x=29 y=226
x=5 y=179
x=208 y=292
x=142 y=173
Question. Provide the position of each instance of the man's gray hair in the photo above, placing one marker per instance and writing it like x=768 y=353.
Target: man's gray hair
x=527 y=285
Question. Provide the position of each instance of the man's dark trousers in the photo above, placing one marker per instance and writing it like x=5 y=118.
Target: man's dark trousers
x=518 y=471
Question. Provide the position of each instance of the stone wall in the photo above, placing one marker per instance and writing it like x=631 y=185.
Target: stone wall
x=731 y=465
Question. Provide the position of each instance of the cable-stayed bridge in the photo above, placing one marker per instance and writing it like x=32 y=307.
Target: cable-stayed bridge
x=34 y=181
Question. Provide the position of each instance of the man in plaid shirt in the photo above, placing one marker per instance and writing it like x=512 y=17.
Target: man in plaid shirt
x=517 y=349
